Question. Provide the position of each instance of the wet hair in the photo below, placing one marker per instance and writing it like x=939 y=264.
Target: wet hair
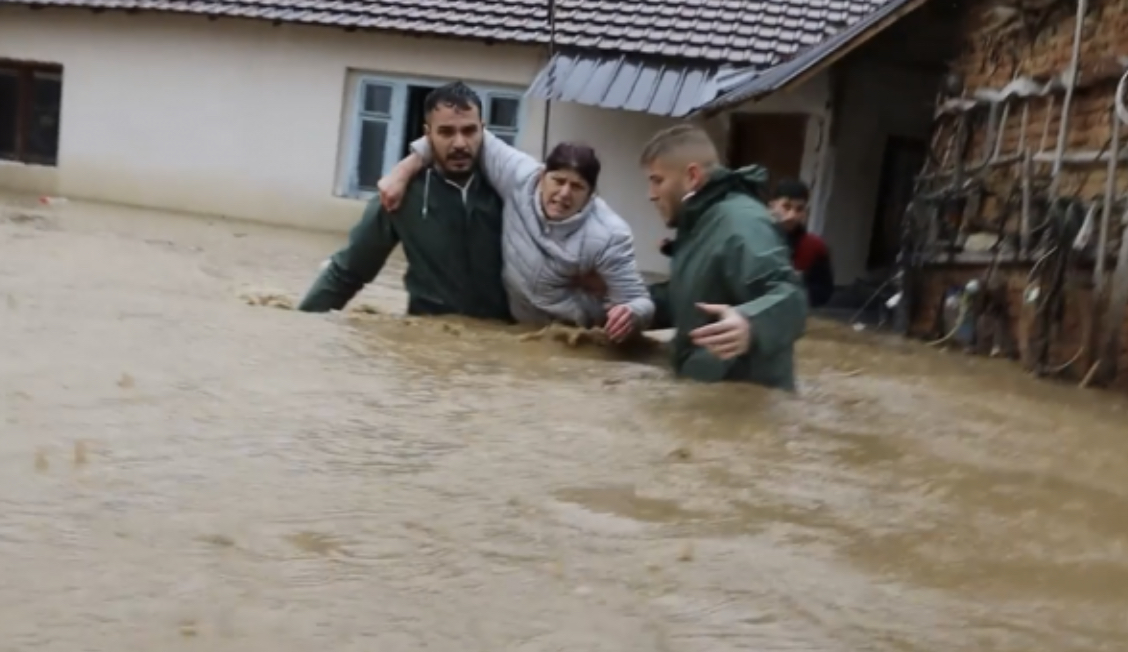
x=578 y=158
x=685 y=138
x=792 y=189
x=456 y=95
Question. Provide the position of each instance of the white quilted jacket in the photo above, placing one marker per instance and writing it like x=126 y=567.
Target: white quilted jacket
x=543 y=258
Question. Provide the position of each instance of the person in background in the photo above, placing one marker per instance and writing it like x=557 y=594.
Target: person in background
x=555 y=230
x=735 y=301
x=449 y=223
x=809 y=254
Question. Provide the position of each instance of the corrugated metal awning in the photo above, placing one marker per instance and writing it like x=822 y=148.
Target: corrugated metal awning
x=777 y=78
x=661 y=87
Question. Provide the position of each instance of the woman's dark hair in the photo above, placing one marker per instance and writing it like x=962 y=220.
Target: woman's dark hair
x=576 y=157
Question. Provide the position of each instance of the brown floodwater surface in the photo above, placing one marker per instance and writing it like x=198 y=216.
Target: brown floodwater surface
x=182 y=470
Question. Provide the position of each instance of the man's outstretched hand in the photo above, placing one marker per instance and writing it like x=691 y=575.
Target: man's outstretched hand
x=728 y=337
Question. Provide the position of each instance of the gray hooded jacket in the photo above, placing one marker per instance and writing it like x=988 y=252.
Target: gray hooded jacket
x=543 y=258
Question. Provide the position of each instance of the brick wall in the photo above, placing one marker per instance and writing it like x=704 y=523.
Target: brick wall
x=1074 y=324
x=991 y=54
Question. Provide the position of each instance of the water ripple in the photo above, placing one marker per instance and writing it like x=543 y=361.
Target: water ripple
x=180 y=468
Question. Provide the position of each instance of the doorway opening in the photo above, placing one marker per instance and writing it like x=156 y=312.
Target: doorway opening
x=773 y=140
x=416 y=96
x=902 y=160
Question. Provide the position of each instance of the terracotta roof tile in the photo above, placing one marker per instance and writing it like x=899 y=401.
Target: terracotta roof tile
x=742 y=32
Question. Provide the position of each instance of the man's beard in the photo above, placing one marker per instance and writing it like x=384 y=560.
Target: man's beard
x=460 y=173
x=458 y=176
x=674 y=203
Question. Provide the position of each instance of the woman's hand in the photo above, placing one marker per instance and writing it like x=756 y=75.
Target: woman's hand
x=621 y=323
x=393 y=184
x=391 y=187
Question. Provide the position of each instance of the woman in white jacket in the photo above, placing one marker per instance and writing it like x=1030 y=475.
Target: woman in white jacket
x=556 y=230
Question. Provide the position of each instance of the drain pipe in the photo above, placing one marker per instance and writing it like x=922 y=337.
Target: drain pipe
x=1106 y=349
x=1074 y=64
x=1109 y=196
x=1121 y=108
x=550 y=82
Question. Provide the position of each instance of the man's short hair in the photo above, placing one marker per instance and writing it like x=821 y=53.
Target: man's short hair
x=792 y=189
x=685 y=137
x=456 y=95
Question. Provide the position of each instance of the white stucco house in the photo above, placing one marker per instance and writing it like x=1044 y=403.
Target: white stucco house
x=287 y=111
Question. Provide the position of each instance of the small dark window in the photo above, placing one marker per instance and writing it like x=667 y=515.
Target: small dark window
x=30 y=100
x=502 y=116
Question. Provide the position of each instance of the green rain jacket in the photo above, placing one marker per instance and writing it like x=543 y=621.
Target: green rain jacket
x=452 y=241
x=730 y=252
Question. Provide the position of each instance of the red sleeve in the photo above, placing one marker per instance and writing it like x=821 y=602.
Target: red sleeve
x=811 y=249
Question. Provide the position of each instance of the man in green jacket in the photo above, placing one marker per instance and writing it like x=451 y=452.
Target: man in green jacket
x=449 y=223
x=737 y=304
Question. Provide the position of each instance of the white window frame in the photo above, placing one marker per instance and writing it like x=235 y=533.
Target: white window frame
x=348 y=183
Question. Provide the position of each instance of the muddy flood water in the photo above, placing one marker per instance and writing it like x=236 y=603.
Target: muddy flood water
x=182 y=470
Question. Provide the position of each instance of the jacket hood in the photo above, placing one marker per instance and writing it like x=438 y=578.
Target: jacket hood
x=434 y=175
x=751 y=180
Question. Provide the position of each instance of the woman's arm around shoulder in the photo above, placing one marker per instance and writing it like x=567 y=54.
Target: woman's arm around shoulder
x=506 y=167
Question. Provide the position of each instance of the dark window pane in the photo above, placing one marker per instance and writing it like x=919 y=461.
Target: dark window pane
x=370 y=157
x=43 y=132
x=510 y=138
x=9 y=108
x=503 y=112
x=377 y=99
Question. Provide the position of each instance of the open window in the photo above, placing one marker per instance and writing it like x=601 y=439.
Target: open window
x=30 y=102
x=389 y=115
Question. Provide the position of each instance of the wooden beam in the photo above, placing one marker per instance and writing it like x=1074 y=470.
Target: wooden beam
x=859 y=40
x=1117 y=307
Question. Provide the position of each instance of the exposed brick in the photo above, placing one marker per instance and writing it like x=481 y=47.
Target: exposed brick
x=1073 y=329
x=1047 y=54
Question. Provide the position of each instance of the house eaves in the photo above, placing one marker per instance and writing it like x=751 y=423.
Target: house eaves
x=757 y=85
x=738 y=33
x=659 y=86
x=667 y=57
